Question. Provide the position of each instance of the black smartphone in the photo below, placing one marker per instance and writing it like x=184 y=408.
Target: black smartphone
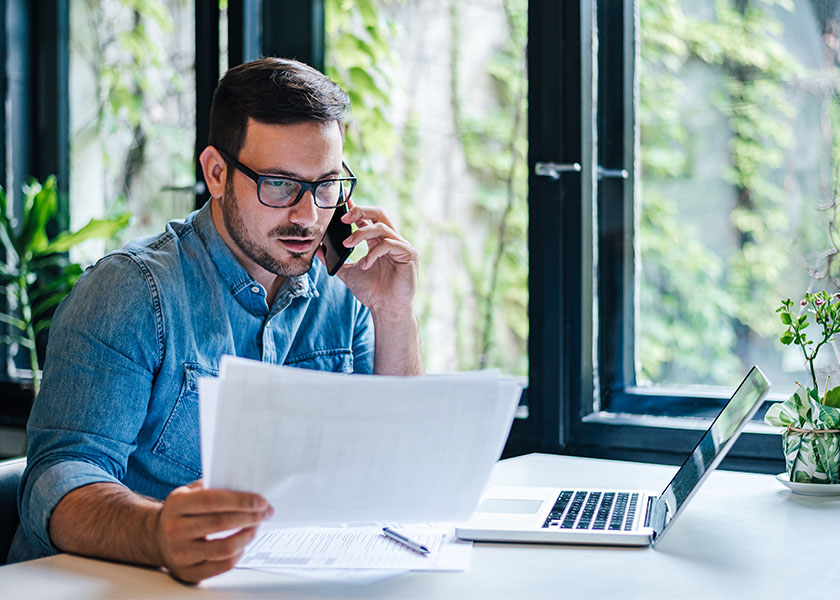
x=335 y=253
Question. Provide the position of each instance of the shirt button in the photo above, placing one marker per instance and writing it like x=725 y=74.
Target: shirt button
x=255 y=289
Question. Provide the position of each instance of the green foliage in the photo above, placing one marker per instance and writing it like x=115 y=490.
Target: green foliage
x=133 y=98
x=826 y=311
x=682 y=293
x=37 y=273
x=488 y=295
x=361 y=62
x=496 y=149
x=682 y=300
x=688 y=285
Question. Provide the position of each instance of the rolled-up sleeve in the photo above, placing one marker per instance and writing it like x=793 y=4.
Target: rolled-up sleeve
x=104 y=347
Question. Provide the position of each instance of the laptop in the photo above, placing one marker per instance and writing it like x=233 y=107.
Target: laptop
x=612 y=516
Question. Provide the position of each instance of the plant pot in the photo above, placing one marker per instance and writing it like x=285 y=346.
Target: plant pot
x=811 y=438
x=812 y=455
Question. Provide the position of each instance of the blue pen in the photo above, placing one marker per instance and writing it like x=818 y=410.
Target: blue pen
x=397 y=537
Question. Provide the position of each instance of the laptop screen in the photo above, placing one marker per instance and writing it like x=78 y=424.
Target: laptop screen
x=710 y=450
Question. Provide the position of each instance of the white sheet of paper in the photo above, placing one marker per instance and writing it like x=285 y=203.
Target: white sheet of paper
x=355 y=548
x=328 y=448
x=208 y=392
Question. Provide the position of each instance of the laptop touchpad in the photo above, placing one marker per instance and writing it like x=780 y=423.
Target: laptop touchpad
x=520 y=506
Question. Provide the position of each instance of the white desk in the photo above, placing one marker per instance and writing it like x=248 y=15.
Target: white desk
x=742 y=536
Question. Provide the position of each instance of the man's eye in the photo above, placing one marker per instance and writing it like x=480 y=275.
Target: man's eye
x=278 y=184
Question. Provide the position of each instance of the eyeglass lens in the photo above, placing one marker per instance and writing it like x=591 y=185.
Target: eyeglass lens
x=280 y=192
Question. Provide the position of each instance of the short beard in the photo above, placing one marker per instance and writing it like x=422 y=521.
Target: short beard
x=298 y=265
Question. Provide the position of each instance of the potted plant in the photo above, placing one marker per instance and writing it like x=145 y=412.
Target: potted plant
x=811 y=416
x=37 y=272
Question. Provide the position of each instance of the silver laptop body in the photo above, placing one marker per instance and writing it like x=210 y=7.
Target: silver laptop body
x=613 y=517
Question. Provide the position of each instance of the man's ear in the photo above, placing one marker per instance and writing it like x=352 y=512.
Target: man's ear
x=214 y=168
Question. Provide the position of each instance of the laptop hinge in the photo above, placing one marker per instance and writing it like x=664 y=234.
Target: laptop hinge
x=649 y=511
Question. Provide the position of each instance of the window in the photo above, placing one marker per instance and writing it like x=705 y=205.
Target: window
x=706 y=139
x=437 y=136
x=739 y=172
x=678 y=161
x=132 y=114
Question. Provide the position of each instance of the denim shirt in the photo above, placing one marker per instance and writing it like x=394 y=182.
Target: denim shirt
x=119 y=400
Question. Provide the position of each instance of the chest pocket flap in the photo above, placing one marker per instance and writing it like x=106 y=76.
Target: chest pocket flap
x=180 y=440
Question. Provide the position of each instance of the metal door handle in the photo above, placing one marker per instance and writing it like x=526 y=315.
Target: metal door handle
x=553 y=169
x=612 y=173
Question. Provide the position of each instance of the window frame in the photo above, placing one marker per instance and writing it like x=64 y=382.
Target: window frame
x=581 y=360
x=35 y=123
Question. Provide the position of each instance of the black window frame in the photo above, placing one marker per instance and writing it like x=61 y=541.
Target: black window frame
x=581 y=288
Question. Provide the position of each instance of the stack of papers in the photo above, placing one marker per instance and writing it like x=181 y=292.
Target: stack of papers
x=332 y=448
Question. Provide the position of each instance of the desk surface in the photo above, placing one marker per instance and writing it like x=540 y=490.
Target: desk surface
x=742 y=536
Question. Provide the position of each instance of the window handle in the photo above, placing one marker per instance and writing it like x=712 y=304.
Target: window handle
x=553 y=169
x=199 y=187
x=612 y=173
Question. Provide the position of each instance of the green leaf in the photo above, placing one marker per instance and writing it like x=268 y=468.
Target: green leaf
x=95 y=228
x=16 y=339
x=786 y=319
x=65 y=282
x=39 y=263
x=787 y=338
x=832 y=397
x=42 y=306
x=13 y=321
x=7 y=232
x=41 y=325
x=40 y=205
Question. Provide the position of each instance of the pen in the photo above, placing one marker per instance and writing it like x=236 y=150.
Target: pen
x=404 y=540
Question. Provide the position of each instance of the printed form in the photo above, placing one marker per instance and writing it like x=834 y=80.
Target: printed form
x=355 y=548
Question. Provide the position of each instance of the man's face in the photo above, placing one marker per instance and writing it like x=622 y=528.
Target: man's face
x=280 y=241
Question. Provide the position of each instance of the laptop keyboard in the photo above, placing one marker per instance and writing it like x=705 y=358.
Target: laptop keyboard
x=613 y=511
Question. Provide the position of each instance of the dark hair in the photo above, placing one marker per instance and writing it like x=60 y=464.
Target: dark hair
x=277 y=91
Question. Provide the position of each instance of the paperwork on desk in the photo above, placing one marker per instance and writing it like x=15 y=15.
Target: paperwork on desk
x=329 y=448
x=364 y=547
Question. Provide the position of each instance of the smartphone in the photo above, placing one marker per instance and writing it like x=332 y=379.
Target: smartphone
x=337 y=231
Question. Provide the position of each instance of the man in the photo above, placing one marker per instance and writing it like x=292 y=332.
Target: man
x=114 y=464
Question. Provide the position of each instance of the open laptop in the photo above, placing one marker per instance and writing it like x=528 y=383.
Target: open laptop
x=609 y=516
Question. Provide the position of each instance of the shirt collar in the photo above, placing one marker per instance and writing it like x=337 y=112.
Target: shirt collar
x=235 y=277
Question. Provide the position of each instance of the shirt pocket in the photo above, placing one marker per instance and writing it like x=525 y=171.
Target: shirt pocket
x=180 y=440
x=337 y=360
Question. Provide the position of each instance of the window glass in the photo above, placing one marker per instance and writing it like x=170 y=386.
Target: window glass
x=132 y=113
x=437 y=136
x=740 y=129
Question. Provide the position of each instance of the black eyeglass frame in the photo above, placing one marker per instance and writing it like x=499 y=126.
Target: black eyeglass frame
x=305 y=186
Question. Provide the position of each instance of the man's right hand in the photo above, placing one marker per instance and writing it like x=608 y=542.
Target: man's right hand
x=191 y=513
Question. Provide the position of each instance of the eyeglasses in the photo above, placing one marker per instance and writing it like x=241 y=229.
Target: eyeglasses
x=285 y=192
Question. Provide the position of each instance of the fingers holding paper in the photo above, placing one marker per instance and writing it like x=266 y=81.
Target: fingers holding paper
x=192 y=513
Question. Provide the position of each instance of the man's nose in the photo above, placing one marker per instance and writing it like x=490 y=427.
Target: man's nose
x=305 y=212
